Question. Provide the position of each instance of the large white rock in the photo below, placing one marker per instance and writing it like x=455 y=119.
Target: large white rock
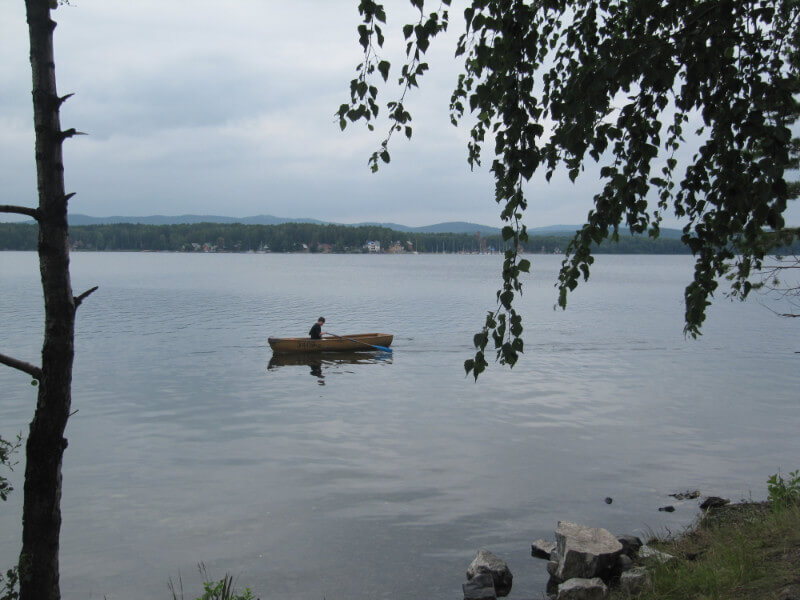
x=582 y=589
x=584 y=552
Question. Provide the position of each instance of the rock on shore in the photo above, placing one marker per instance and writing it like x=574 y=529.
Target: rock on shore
x=478 y=585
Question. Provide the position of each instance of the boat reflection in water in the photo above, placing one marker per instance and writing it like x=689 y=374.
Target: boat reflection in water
x=319 y=362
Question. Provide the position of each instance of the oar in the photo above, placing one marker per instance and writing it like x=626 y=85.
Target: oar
x=383 y=348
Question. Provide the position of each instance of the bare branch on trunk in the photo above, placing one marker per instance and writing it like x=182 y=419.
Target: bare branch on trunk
x=84 y=295
x=20 y=210
x=70 y=133
x=21 y=365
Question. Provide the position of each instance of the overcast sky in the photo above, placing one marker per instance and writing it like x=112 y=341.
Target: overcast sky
x=227 y=108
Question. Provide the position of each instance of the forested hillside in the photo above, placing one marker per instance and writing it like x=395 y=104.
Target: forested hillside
x=301 y=237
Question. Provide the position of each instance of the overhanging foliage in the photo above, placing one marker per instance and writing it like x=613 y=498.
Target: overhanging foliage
x=558 y=85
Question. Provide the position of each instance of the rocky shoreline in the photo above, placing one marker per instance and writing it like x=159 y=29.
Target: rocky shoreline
x=584 y=563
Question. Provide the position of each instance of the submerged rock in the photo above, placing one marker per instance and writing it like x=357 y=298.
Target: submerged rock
x=687 y=495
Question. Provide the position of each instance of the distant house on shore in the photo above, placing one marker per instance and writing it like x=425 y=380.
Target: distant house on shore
x=400 y=247
x=373 y=246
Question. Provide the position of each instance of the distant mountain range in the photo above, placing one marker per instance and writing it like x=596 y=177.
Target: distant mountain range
x=449 y=227
x=454 y=227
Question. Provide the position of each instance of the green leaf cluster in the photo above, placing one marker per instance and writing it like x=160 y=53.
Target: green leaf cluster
x=559 y=85
x=363 y=92
x=223 y=590
x=9 y=585
x=784 y=493
x=7 y=451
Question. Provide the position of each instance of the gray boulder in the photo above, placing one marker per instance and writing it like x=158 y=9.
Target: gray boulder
x=542 y=549
x=582 y=589
x=486 y=562
x=585 y=552
x=479 y=587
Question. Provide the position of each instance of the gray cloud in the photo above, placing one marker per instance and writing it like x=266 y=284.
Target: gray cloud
x=227 y=108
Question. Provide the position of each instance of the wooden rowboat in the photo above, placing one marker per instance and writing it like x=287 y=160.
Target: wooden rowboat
x=347 y=343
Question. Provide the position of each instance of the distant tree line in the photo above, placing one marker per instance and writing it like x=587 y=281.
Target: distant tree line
x=306 y=237
x=237 y=237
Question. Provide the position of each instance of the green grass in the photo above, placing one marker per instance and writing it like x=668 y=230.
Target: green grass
x=740 y=552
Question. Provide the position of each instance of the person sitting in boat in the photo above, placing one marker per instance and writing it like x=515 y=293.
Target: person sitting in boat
x=316 y=332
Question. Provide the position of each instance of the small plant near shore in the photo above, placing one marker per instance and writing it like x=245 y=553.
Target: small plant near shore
x=9 y=589
x=784 y=493
x=223 y=590
x=212 y=590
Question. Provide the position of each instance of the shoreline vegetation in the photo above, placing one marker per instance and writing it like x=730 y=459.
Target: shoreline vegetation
x=743 y=551
x=322 y=239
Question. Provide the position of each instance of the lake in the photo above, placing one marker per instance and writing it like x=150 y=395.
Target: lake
x=381 y=476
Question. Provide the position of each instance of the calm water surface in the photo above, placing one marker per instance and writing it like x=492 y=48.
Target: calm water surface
x=380 y=477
